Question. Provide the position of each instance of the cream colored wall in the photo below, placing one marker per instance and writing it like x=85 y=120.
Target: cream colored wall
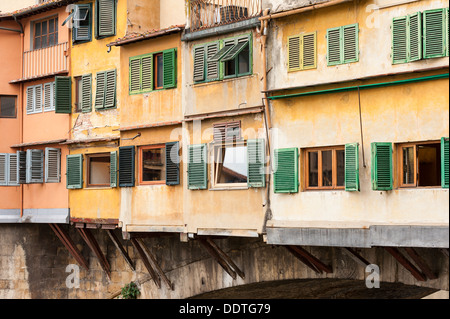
x=173 y=12
x=10 y=6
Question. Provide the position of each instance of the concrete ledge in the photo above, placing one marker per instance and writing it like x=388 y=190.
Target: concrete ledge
x=35 y=216
x=391 y=236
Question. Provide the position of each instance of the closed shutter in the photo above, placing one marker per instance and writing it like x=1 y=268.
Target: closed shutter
x=170 y=68
x=445 y=162
x=30 y=100
x=113 y=169
x=3 y=169
x=12 y=170
x=199 y=63
x=400 y=40
x=135 y=75
x=415 y=37
x=35 y=167
x=110 y=89
x=106 y=17
x=352 y=167
x=334 y=46
x=74 y=171
x=197 y=167
x=38 y=99
x=227 y=131
x=63 y=94
x=256 y=154
x=49 y=97
x=127 y=166
x=52 y=165
x=286 y=170
x=350 y=38
x=434 y=33
x=146 y=81
x=447 y=31
x=212 y=67
x=22 y=167
x=100 y=91
x=86 y=93
x=382 y=174
x=309 y=51
x=294 y=52
x=173 y=163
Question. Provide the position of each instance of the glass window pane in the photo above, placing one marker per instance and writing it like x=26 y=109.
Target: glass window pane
x=153 y=165
x=44 y=28
x=244 y=61
x=408 y=165
x=429 y=165
x=327 y=168
x=313 y=169
x=99 y=170
x=160 y=73
x=79 y=97
x=51 y=26
x=230 y=67
x=7 y=106
x=37 y=43
x=51 y=39
x=340 y=158
x=37 y=29
x=44 y=42
x=232 y=165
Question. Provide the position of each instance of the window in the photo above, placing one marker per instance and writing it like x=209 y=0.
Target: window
x=420 y=164
x=8 y=106
x=63 y=94
x=34 y=99
x=52 y=165
x=230 y=164
x=49 y=97
x=8 y=170
x=82 y=23
x=105 y=96
x=45 y=33
x=343 y=45
x=325 y=168
x=98 y=170
x=105 y=18
x=78 y=97
x=302 y=52
x=154 y=71
x=152 y=161
x=223 y=59
x=83 y=93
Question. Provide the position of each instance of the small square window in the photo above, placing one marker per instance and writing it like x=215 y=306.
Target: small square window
x=325 y=168
x=8 y=106
x=152 y=163
x=99 y=170
x=230 y=165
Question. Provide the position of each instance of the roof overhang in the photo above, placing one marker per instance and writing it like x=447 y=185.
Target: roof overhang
x=36 y=9
x=137 y=37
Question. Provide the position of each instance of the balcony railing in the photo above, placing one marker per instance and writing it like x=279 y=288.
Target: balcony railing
x=210 y=13
x=46 y=61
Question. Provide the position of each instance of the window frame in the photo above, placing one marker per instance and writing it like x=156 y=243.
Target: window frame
x=41 y=109
x=319 y=150
x=78 y=100
x=15 y=107
x=89 y=16
x=97 y=21
x=156 y=71
x=214 y=169
x=141 y=149
x=40 y=21
x=88 y=170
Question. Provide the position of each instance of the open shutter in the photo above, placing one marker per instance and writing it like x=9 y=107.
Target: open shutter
x=52 y=165
x=74 y=167
x=286 y=170
x=350 y=42
x=234 y=52
x=38 y=101
x=199 y=63
x=110 y=89
x=197 y=167
x=100 y=91
x=445 y=162
x=172 y=163
x=22 y=167
x=352 y=167
x=35 y=167
x=212 y=67
x=334 y=46
x=82 y=23
x=49 y=99
x=400 y=40
x=135 y=75
x=309 y=51
x=147 y=73
x=12 y=170
x=256 y=155
x=434 y=45
x=415 y=37
x=127 y=166
x=63 y=94
x=3 y=169
x=86 y=93
x=170 y=68
x=294 y=52
x=106 y=17
x=30 y=100
x=447 y=31
x=382 y=174
x=113 y=169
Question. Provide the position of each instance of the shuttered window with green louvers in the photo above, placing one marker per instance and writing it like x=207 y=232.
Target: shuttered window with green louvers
x=382 y=170
x=197 y=167
x=74 y=171
x=286 y=170
x=343 y=44
x=352 y=167
x=105 y=96
x=86 y=93
x=127 y=166
x=435 y=33
x=407 y=38
x=106 y=18
x=63 y=94
x=256 y=157
x=172 y=163
x=82 y=23
x=445 y=162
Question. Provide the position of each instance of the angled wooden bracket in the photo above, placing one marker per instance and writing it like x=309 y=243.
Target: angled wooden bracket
x=355 y=256
x=312 y=260
x=92 y=243
x=120 y=248
x=69 y=244
x=222 y=258
x=300 y=257
x=405 y=263
x=146 y=262
x=421 y=263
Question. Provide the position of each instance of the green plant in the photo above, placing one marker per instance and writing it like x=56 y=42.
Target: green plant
x=130 y=291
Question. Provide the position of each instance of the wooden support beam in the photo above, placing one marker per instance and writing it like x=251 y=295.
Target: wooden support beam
x=218 y=258
x=226 y=258
x=155 y=263
x=303 y=259
x=356 y=257
x=147 y=264
x=120 y=248
x=420 y=263
x=319 y=264
x=92 y=243
x=405 y=263
x=445 y=251
x=70 y=245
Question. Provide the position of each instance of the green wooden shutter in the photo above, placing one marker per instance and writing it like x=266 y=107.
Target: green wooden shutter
x=106 y=18
x=286 y=170
x=135 y=75
x=110 y=89
x=256 y=153
x=294 y=53
x=382 y=171
x=100 y=91
x=350 y=43
x=113 y=169
x=127 y=166
x=309 y=51
x=434 y=33
x=147 y=73
x=334 y=48
x=86 y=93
x=414 y=37
x=447 y=31
x=199 y=63
x=74 y=171
x=63 y=94
x=212 y=68
x=82 y=30
x=197 y=167
x=445 y=162
x=352 y=167
x=170 y=68
x=400 y=40
x=172 y=163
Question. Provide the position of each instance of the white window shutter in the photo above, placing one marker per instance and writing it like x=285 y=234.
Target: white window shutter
x=35 y=167
x=52 y=165
x=12 y=170
x=3 y=169
x=38 y=99
x=22 y=167
x=49 y=97
x=30 y=100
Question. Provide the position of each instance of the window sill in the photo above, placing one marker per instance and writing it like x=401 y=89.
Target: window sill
x=237 y=188
x=228 y=79
x=98 y=187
